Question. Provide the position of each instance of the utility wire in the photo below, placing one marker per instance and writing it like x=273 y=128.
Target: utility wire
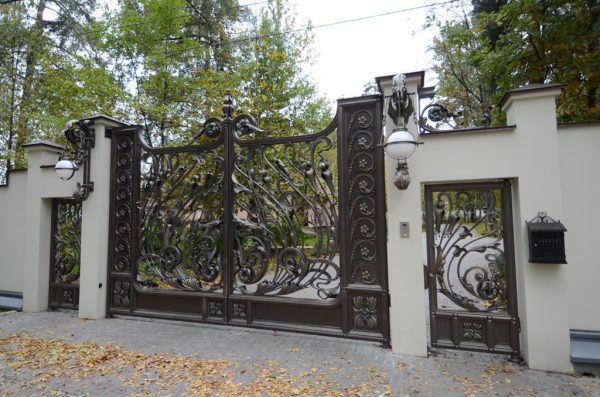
x=8 y=1
x=324 y=25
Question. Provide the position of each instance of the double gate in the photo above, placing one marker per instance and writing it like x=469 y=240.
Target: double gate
x=252 y=229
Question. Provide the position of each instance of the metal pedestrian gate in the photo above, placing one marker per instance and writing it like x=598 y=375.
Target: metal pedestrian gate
x=471 y=271
x=250 y=229
x=65 y=254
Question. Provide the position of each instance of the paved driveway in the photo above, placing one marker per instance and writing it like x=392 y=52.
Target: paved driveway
x=55 y=353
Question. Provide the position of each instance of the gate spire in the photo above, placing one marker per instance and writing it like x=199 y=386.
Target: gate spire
x=228 y=105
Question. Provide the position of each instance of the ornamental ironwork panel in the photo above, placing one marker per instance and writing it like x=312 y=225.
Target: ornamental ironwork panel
x=65 y=255
x=253 y=228
x=285 y=217
x=180 y=220
x=472 y=291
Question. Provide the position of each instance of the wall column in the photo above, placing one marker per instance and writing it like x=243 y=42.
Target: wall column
x=94 y=226
x=405 y=255
x=42 y=155
x=541 y=288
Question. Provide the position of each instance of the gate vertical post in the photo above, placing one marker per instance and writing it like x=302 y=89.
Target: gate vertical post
x=405 y=255
x=94 y=226
x=228 y=238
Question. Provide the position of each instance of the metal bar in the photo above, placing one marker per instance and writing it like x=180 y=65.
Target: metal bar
x=228 y=227
x=54 y=211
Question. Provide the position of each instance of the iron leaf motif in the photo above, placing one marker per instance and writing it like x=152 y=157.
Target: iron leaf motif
x=472 y=331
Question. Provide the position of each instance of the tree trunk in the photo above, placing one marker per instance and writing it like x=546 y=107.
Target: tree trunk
x=23 y=135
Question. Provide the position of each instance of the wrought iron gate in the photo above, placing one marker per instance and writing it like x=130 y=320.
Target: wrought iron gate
x=65 y=254
x=248 y=229
x=471 y=273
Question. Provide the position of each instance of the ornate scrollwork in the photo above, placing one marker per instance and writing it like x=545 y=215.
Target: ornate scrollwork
x=472 y=331
x=362 y=194
x=285 y=211
x=120 y=293
x=123 y=204
x=215 y=309
x=239 y=310
x=68 y=296
x=468 y=246
x=244 y=126
x=436 y=118
x=365 y=312
x=181 y=207
x=67 y=243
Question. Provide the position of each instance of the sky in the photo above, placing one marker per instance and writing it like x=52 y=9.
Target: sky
x=349 y=55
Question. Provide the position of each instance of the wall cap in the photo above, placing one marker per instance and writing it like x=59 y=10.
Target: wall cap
x=107 y=120
x=463 y=131
x=43 y=145
x=528 y=91
x=589 y=123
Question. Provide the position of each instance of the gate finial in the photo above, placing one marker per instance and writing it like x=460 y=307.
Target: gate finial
x=228 y=105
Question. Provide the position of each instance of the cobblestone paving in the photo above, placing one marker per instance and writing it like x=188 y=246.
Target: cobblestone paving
x=128 y=356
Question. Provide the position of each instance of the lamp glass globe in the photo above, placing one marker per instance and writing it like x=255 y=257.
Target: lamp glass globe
x=401 y=144
x=65 y=169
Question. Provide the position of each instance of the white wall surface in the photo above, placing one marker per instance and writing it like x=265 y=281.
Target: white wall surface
x=580 y=175
x=528 y=155
x=12 y=231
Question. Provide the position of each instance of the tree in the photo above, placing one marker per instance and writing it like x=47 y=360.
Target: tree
x=499 y=45
x=274 y=87
x=49 y=72
x=166 y=64
x=179 y=58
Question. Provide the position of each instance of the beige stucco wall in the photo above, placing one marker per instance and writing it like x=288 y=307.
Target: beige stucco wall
x=579 y=171
x=528 y=155
x=42 y=186
x=12 y=231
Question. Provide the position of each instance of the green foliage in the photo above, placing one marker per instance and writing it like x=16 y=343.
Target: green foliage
x=164 y=64
x=49 y=72
x=180 y=57
x=500 y=45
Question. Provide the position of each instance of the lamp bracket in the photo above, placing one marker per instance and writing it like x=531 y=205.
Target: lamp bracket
x=82 y=138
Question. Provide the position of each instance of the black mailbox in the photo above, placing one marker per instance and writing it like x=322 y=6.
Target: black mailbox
x=546 y=240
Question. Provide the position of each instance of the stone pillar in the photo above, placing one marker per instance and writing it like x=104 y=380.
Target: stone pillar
x=405 y=255
x=94 y=226
x=541 y=288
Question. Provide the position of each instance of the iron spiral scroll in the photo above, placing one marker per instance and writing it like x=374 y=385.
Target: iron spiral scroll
x=67 y=242
x=284 y=213
x=469 y=250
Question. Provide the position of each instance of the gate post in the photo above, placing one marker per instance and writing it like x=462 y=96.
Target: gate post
x=405 y=255
x=94 y=225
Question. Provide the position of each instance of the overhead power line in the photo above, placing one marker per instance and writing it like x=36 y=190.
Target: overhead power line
x=297 y=30
x=8 y=1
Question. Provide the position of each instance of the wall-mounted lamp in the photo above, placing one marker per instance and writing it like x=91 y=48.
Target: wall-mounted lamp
x=82 y=137
x=400 y=143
